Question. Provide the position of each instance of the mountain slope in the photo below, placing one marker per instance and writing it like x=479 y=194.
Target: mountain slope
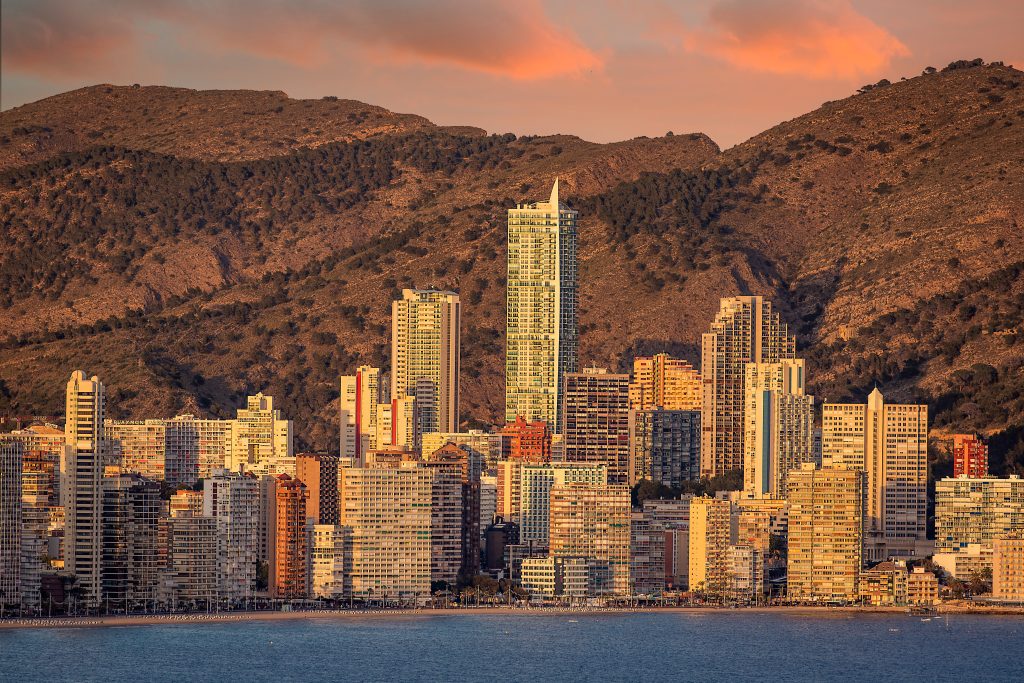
x=885 y=225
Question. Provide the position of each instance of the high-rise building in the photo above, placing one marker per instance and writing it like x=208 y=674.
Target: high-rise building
x=233 y=500
x=535 y=494
x=712 y=531
x=205 y=442
x=466 y=466
x=976 y=511
x=592 y=521
x=825 y=533
x=82 y=497
x=326 y=544
x=746 y=578
x=189 y=568
x=664 y=445
x=405 y=525
x=595 y=421
x=42 y=517
x=1008 y=567
x=488 y=503
x=510 y=494
x=528 y=441
x=360 y=395
x=778 y=424
x=289 y=556
x=131 y=523
x=179 y=450
x=542 y=309
x=889 y=443
x=970 y=456
x=647 y=555
x=425 y=348
x=140 y=446
x=397 y=424
x=319 y=472
x=661 y=381
x=261 y=440
x=745 y=330
x=11 y=453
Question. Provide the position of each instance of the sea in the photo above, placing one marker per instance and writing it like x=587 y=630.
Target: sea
x=646 y=646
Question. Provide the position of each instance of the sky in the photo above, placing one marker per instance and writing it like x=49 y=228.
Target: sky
x=602 y=69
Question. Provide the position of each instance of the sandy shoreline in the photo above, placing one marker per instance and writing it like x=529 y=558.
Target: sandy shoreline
x=227 y=617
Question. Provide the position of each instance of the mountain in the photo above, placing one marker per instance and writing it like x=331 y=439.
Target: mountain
x=188 y=267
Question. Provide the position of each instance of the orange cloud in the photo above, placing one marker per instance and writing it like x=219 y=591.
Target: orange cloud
x=58 y=39
x=804 y=37
x=509 y=38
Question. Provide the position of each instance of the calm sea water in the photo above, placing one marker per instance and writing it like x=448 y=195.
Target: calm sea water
x=617 y=647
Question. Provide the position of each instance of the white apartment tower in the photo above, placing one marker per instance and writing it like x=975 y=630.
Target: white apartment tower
x=233 y=500
x=778 y=426
x=425 y=355
x=360 y=395
x=261 y=440
x=84 y=454
x=889 y=443
x=542 y=309
x=746 y=330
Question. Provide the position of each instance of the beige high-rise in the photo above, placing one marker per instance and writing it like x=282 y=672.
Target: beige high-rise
x=535 y=494
x=425 y=348
x=976 y=511
x=592 y=521
x=825 y=533
x=661 y=381
x=745 y=330
x=712 y=530
x=82 y=495
x=405 y=526
x=889 y=443
x=360 y=395
x=261 y=440
x=778 y=426
x=542 y=339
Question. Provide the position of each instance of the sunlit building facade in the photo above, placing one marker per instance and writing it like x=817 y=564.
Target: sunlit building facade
x=425 y=348
x=745 y=330
x=889 y=442
x=542 y=337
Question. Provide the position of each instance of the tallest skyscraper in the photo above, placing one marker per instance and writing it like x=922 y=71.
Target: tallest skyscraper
x=543 y=308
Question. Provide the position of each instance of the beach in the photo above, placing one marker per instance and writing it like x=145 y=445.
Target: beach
x=269 y=615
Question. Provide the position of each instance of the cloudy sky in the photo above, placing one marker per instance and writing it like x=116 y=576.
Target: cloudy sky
x=602 y=69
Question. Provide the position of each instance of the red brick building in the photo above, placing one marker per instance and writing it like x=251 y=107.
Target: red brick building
x=528 y=441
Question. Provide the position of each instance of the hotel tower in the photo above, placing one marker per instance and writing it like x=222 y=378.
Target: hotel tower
x=542 y=308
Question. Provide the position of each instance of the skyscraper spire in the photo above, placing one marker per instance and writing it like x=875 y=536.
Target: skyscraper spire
x=554 y=194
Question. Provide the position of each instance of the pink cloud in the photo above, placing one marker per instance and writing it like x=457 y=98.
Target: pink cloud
x=57 y=39
x=814 y=38
x=502 y=37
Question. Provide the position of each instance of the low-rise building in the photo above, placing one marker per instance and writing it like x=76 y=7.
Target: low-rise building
x=922 y=587
x=884 y=585
x=973 y=559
